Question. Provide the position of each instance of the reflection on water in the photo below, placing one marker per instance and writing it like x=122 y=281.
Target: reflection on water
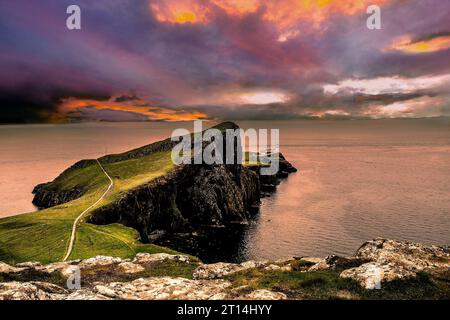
x=357 y=180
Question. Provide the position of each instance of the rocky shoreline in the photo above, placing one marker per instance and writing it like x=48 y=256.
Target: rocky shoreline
x=376 y=265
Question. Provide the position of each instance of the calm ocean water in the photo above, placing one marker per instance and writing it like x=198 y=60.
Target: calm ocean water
x=357 y=180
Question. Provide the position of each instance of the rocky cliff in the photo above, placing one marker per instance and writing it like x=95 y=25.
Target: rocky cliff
x=49 y=194
x=189 y=199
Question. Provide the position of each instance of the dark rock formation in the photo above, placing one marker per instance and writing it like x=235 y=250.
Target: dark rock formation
x=45 y=197
x=48 y=194
x=190 y=196
x=285 y=166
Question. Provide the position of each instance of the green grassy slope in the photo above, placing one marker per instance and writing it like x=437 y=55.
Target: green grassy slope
x=43 y=236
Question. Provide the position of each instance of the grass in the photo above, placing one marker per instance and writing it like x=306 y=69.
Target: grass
x=296 y=284
x=170 y=268
x=326 y=284
x=115 y=239
x=44 y=235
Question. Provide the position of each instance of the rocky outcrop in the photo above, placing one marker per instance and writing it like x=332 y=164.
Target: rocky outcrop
x=46 y=197
x=390 y=260
x=162 y=288
x=220 y=270
x=189 y=197
x=5 y=268
x=125 y=281
x=375 y=264
x=146 y=258
x=48 y=194
x=30 y=291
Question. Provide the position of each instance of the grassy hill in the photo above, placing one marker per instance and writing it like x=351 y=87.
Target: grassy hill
x=44 y=235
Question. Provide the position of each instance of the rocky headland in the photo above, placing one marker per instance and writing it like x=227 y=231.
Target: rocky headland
x=181 y=208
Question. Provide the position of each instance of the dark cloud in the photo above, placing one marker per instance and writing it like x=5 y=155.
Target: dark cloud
x=105 y=115
x=124 y=48
x=125 y=98
x=30 y=103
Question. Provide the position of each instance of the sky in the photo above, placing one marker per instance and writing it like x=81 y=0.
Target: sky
x=179 y=60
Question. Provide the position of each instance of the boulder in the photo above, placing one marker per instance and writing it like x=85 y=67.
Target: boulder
x=65 y=268
x=81 y=295
x=221 y=269
x=392 y=260
x=29 y=265
x=264 y=295
x=6 y=268
x=144 y=258
x=162 y=288
x=412 y=256
x=29 y=291
x=371 y=275
x=130 y=268
x=99 y=262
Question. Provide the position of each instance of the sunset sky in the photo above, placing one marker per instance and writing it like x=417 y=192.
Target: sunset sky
x=176 y=60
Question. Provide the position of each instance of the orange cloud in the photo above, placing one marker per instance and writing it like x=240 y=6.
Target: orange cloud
x=286 y=13
x=238 y=7
x=135 y=106
x=283 y=13
x=180 y=11
x=432 y=44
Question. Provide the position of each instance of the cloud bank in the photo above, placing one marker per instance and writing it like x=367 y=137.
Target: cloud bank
x=178 y=60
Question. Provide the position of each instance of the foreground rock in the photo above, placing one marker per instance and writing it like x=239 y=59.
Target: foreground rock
x=106 y=278
x=390 y=260
x=220 y=270
x=166 y=276
x=163 y=288
x=5 y=268
x=29 y=291
x=381 y=261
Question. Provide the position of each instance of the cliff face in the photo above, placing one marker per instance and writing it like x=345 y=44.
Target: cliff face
x=190 y=196
x=45 y=197
x=48 y=195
